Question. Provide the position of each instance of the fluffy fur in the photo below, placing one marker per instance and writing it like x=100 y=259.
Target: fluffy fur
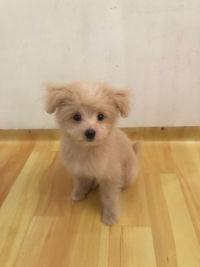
x=108 y=160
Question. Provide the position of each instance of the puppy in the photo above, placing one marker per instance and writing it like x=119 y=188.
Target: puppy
x=92 y=148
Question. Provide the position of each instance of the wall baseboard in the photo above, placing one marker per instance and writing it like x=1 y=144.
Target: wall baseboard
x=138 y=133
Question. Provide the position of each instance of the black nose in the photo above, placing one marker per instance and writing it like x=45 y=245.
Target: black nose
x=90 y=134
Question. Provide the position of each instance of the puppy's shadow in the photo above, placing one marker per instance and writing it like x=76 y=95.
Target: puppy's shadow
x=54 y=194
x=92 y=201
x=54 y=190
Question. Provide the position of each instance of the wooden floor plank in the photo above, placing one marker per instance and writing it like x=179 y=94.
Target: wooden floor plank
x=187 y=161
x=12 y=159
x=186 y=242
x=18 y=208
x=137 y=248
x=87 y=238
x=115 y=247
x=159 y=223
x=54 y=191
x=46 y=238
x=75 y=240
x=155 y=157
x=103 y=247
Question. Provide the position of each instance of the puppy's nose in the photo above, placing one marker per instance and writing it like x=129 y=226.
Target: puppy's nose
x=90 y=134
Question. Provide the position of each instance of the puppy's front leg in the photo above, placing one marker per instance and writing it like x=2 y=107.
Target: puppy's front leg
x=81 y=188
x=110 y=195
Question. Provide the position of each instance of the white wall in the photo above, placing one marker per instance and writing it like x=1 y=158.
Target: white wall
x=151 y=46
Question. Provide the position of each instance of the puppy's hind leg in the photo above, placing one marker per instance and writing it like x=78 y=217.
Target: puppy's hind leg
x=81 y=188
x=130 y=173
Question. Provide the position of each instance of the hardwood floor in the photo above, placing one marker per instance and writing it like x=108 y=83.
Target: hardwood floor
x=40 y=226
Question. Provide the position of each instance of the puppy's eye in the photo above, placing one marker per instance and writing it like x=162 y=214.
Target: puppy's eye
x=77 y=117
x=100 y=117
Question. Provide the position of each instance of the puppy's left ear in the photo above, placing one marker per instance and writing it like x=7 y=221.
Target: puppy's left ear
x=121 y=100
x=56 y=95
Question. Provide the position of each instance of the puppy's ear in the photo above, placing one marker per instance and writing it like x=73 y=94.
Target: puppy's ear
x=55 y=97
x=121 y=100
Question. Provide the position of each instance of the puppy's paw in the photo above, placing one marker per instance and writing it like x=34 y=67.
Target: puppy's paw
x=77 y=195
x=109 y=218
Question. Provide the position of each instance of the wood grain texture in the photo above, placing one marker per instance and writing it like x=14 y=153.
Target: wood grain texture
x=137 y=248
x=41 y=226
x=186 y=242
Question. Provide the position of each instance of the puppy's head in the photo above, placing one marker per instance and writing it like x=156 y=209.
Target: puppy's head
x=87 y=111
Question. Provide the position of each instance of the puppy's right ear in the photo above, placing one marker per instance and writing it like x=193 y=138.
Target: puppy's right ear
x=121 y=100
x=55 y=97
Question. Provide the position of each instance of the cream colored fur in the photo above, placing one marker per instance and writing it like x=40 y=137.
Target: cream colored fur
x=109 y=160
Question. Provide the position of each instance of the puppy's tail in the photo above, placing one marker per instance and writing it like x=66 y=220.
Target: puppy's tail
x=135 y=147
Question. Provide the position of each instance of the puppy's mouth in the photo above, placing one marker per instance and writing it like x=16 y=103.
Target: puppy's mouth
x=90 y=140
x=90 y=143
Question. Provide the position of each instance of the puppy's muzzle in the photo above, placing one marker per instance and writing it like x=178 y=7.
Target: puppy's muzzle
x=90 y=134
